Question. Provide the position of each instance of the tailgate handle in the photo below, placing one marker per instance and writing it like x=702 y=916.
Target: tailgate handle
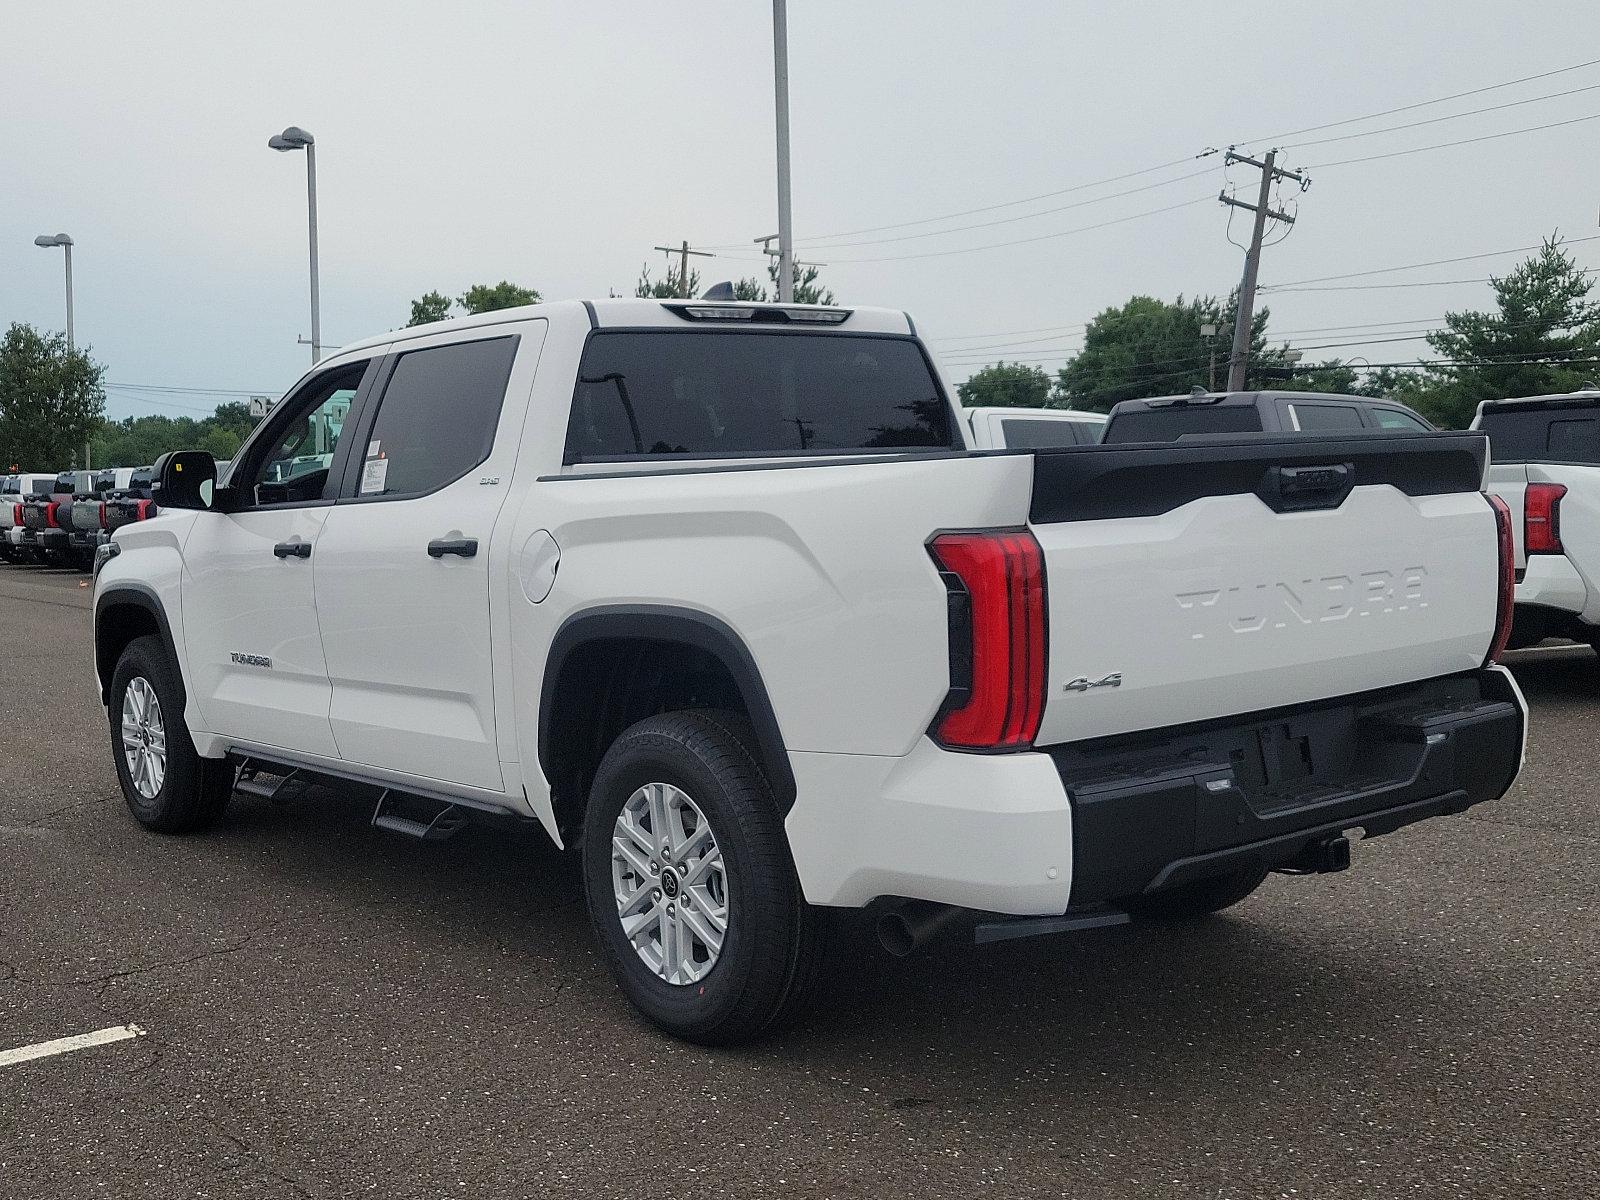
x=1305 y=489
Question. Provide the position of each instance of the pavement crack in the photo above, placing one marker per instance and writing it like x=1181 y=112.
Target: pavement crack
x=243 y=1148
x=101 y=982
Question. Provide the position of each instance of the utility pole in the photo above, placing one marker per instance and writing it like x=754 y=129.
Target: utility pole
x=780 y=84
x=1239 y=360
x=794 y=265
x=683 y=269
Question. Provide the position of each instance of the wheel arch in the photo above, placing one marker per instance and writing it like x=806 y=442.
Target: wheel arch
x=644 y=630
x=122 y=613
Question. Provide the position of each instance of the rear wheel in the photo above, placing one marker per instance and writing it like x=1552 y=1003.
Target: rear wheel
x=168 y=787
x=1201 y=898
x=689 y=882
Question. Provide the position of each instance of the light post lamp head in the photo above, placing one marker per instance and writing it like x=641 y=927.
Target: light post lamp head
x=52 y=239
x=292 y=138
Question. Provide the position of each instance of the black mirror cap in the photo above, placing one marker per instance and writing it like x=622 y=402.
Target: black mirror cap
x=184 y=479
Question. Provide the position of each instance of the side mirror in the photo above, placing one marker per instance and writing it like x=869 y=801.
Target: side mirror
x=184 y=479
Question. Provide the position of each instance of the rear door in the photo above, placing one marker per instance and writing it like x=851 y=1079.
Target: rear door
x=1220 y=578
x=403 y=565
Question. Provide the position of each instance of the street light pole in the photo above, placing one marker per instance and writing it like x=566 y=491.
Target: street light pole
x=295 y=138
x=780 y=80
x=65 y=242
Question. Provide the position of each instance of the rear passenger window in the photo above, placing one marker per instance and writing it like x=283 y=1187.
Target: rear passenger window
x=1393 y=418
x=1317 y=417
x=437 y=417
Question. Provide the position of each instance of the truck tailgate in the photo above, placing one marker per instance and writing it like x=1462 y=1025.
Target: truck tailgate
x=1213 y=577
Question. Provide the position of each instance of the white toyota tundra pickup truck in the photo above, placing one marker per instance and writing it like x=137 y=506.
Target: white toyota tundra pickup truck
x=719 y=596
x=1545 y=465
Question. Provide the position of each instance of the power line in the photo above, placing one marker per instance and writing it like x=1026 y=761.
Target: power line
x=1043 y=237
x=906 y=237
x=1367 y=287
x=1487 y=137
x=1471 y=112
x=968 y=212
x=1389 y=112
x=1437 y=262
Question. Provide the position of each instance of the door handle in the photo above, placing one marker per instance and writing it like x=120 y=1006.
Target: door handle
x=464 y=547
x=292 y=549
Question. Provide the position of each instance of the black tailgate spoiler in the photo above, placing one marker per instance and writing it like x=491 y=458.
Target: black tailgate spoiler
x=1290 y=473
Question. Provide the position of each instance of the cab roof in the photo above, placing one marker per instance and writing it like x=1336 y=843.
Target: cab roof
x=634 y=313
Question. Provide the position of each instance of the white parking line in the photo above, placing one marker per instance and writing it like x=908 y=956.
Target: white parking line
x=80 y=1041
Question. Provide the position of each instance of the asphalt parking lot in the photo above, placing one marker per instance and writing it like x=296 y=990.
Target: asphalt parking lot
x=332 y=1011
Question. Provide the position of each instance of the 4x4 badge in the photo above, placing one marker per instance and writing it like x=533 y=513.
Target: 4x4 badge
x=1083 y=684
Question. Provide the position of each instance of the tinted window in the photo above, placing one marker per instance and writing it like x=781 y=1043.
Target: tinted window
x=1170 y=424
x=1532 y=434
x=1040 y=435
x=1393 y=418
x=712 y=394
x=1316 y=417
x=1574 y=439
x=437 y=418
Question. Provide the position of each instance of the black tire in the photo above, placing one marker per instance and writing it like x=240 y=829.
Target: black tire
x=770 y=959
x=1191 y=901
x=193 y=790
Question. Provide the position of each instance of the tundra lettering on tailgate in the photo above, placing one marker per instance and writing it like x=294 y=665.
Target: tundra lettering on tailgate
x=1285 y=604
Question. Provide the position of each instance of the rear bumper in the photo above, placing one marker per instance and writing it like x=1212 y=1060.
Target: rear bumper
x=1157 y=811
x=54 y=539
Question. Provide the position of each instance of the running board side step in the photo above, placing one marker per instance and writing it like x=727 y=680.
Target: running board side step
x=447 y=821
x=279 y=789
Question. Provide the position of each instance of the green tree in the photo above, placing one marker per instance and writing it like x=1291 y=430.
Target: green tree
x=665 y=289
x=52 y=399
x=1544 y=336
x=139 y=441
x=479 y=298
x=484 y=297
x=1151 y=347
x=428 y=308
x=1006 y=385
x=807 y=289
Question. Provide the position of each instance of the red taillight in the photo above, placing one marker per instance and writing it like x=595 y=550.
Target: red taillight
x=997 y=639
x=1508 y=580
x=102 y=514
x=146 y=510
x=1541 y=518
x=16 y=515
x=50 y=514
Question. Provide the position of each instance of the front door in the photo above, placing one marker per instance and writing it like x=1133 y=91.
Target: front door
x=403 y=564
x=249 y=609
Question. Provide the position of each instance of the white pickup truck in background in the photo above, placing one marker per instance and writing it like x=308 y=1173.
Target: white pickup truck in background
x=1031 y=428
x=1545 y=465
x=718 y=595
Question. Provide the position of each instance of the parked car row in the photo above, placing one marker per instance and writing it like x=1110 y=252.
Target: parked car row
x=61 y=519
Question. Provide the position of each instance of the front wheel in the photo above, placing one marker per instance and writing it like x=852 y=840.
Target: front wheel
x=689 y=882
x=168 y=787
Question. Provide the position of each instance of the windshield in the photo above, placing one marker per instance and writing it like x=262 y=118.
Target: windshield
x=699 y=393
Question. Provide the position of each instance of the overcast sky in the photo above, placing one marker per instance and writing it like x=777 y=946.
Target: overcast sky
x=555 y=143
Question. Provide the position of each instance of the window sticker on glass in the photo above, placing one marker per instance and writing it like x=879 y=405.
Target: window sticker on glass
x=374 y=476
x=373 y=448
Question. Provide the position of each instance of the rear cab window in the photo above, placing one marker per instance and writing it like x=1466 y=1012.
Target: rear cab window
x=1171 y=422
x=1567 y=433
x=1035 y=434
x=644 y=394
